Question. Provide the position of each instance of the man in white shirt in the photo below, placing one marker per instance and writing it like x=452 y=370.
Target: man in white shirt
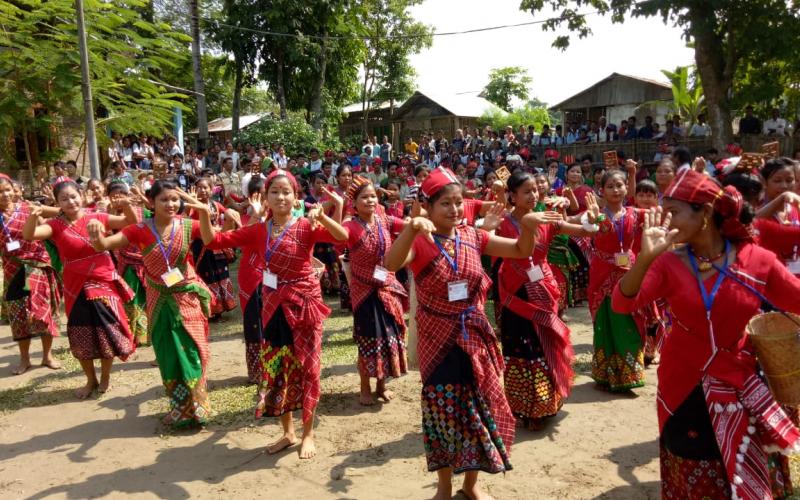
x=683 y=158
x=316 y=162
x=231 y=182
x=252 y=169
x=775 y=125
x=173 y=148
x=701 y=128
x=229 y=153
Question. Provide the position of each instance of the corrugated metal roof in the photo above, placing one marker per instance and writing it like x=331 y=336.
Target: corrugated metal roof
x=653 y=83
x=466 y=105
x=356 y=107
x=226 y=124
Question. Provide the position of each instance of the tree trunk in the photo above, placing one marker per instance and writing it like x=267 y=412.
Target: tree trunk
x=716 y=67
x=199 y=87
x=319 y=83
x=237 y=97
x=279 y=84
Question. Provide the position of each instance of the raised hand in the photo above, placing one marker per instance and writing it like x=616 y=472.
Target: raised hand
x=791 y=198
x=423 y=226
x=699 y=164
x=334 y=196
x=657 y=238
x=592 y=207
x=416 y=209
x=36 y=210
x=190 y=200
x=494 y=217
x=95 y=229
x=631 y=167
x=534 y=219
x=313 y=214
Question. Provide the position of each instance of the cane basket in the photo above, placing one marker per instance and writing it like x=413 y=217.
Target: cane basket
x=776 y=337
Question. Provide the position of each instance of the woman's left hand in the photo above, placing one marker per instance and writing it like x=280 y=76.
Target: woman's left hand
x=334 y=196
x=190 y=200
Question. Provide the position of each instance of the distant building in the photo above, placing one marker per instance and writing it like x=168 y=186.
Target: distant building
x=221 y=129
x=618 y=97
x=420 y=113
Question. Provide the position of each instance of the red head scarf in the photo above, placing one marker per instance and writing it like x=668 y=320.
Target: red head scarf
x=358 y=183
x=439 y=178
x=698 y=189
x=279 y=172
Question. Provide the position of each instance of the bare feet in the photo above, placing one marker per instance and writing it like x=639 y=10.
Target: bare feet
x=154 y=362
x=284 y=442
x=51 y=363
x=86 y=391
x=366 y=399
x=475 y=493
x=382 y=392
x=307 y=448
x=104 y=386
x=22 y=368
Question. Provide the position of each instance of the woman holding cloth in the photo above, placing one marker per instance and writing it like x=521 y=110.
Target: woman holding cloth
x=717 y=418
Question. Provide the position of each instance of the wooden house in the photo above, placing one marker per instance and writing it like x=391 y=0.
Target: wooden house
x=618 y=97
x=379 y=121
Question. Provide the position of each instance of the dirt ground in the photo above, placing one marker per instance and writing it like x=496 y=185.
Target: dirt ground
x=53 y=446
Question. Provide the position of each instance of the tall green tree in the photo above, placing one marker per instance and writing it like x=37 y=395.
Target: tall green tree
x=197 y=70
x=39 y=65
x=506 y=84
x=393 y=35
x=723 y=33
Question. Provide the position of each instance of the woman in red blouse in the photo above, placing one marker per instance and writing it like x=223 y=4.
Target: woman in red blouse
x=467 y=423
x=379 y=326
x=292 y=307
x=178 y=301
x=781 y=207
x=536 y=344
x=97 y=326
x=716 y=415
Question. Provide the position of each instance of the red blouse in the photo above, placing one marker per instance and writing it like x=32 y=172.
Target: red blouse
x=142 y=236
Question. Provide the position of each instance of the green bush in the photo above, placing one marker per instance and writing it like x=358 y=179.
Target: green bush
x=294 y=133
x=526 y=115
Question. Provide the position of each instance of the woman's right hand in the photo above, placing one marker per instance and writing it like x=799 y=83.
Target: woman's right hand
x=657 y=238
x=95 y=229
x=423 y=226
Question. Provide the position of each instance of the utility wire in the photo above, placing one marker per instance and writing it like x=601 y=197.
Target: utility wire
x=391 y=37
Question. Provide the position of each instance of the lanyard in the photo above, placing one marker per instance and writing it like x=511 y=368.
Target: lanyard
x=165 y=252
x=453 y=261
x=708 y=299
x=619 y=226
x=10 y=220
x=271 y=249
x=381 y=240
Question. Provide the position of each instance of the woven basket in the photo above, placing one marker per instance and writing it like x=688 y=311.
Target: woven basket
x=319 y=267
x=777 y=342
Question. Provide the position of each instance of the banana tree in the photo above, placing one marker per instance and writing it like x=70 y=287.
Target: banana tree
x=688 y=100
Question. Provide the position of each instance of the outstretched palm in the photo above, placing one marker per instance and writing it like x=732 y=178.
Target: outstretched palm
x=657 y=238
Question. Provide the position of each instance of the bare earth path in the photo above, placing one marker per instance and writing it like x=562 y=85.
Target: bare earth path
x=52 y=446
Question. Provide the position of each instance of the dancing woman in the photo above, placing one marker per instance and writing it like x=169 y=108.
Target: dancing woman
x=97 y=326
x=716 y=416
x=379 y=326
x=31 y=292
x=178 y=301
x=292 y=307
x=467 y=423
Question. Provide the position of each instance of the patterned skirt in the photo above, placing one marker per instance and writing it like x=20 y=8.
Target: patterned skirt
x=618 y=359
x=135 y=309
x=182 y=371
x=579 y=275
x=458 y=429
x=380 y=340
x=281 y=389
x=94 y=333
x=212 y=267
x=253 y=336
x=690 y=460
x=24 y=325
x=528 y=379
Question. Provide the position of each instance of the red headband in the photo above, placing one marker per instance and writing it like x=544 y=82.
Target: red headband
x=279 y=172
x=697 y=189
x=439 y=178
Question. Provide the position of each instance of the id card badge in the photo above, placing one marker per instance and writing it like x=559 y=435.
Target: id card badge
x=535 y=274
x=270 y=280
x=793 y=266
x=172 y=277
x=12 y=245
x=380 y=273
x=622 y=259
x=457 y=290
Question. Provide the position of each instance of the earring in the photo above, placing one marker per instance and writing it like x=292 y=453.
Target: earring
x=705 y=224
